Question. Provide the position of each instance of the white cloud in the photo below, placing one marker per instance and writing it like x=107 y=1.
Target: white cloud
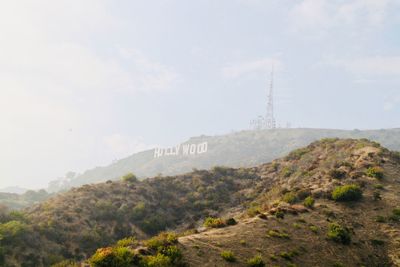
x=378 y=65
x=256 y=66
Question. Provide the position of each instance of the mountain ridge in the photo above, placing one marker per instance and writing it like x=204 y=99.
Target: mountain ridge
x=239 y=149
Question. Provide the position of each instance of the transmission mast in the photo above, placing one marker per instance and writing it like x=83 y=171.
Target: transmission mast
x=270 y=122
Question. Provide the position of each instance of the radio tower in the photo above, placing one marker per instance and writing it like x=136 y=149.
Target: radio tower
x=270 y=122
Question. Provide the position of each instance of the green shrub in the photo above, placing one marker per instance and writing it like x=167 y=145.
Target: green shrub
x=12 y=230
x=276 y=233
x=351 y=192
x=256 y=261
x=288 y=255
x=375 y=172
x=279 y=214
x=314 y=229
x=309 y=202
x=172 y=252
x=214 y=222
x=159 y=260
x=129 y=178
x=290 y=198
x=339 y=233
x=162 y=240
x=377 y=196
x=395 y=215
x=379 y=186
x=287 y=171
x=228 y=256
x=107 y=257
x=126 y=242
x=253 y=211
x=380 y=219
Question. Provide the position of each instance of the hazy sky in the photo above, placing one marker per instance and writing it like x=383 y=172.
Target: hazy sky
x=86 y=82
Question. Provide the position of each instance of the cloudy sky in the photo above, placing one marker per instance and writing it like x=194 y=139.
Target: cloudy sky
x=85 y=82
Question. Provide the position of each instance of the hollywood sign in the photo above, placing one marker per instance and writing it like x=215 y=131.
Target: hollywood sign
x=184 y=149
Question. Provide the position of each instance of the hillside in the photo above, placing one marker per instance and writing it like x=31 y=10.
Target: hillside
x=273 y=207
x=240 y=149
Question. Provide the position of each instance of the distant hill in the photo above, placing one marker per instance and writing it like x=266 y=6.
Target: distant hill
x=240 y=149
x=333 y=203
x=13 y=190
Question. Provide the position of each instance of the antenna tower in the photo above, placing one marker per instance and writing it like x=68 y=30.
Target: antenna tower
x=270 y=122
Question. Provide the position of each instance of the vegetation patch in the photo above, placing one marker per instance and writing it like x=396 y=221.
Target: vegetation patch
x=290 y=198
x=351 y=192
x=256 y=261
x=339 y=233
x=228 y=256
x=309 y=202
x=337 y=173
x=214 y=222
x=375 y=172
x=276 y=233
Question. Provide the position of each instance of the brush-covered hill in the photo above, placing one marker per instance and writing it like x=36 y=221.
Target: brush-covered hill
x=239 y=149
x=332 y=203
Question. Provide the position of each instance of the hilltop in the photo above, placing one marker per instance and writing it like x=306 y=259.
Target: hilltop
x=332 y=203
x=239 y=149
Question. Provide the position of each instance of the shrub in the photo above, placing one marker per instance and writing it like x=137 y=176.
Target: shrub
x=162 y=240
x=380 y=219
x=287 y=171
x=106 y=257
x=379 y=186
x=129 y=178
x=253 y=211
x=395 y=215
x=12 y=230
x=349 y=192
x=375 y=172
x=377 y=196
x=230 y=221
x=158 y=260
x=126 y=242
x=228 y=256
x=256 y=261
x=339 y=233
x=288 y=255
x=214 y=222
x=314 y=229
x=276 y=233
x=337 y=174
x=290 y=198
x=309 y=202
x=280 y=214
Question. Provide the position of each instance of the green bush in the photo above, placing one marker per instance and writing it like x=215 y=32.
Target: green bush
x=129 y=178
x=228 y=256
x=256 y=261
x=314 y=229
x=214 y=222
x=66 y=263
x=351 y=192
x=276 y=233
x=113 y=257
x=290 y=198
x=339 y=233
x=162 y=240
x=375 y=172
x=287 y=171
x=230 y=221
x=126 y=242
x=253 y=211
x=12 y=230
x=309 y=202
x=158 y=260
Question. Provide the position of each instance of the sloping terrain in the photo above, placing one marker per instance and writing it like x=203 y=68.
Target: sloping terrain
x=239 y=149
x=333 y=203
